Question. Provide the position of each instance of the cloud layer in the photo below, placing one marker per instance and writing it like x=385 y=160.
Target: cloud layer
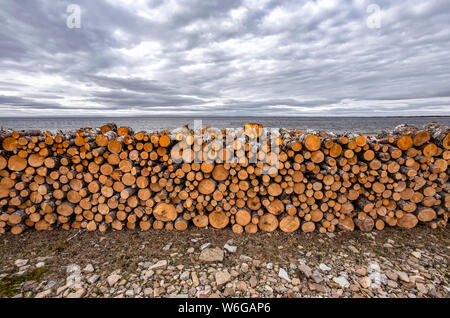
x=234 y=57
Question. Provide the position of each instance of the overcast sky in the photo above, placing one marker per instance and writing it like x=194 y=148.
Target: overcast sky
x=225 y=57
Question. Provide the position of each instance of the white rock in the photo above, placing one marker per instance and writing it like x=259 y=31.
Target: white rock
x=373 y=267
x=283 y=274
x=129 y=293
x=40 y=264
x=167 y=247
x=190 y=250
x=245 y=258
x=206 y=245
x=341 y=281
x=230 y=248
x=89 y=269
x=269 y=265
x=416 y=255
x=113 y=279
x=324 y=267
x=158 y=265
x=93 y=279
x=21 y=262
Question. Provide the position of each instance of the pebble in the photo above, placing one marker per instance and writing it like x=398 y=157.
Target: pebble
x=88 y=269
x=206 y=245
x=317 y=277
x=40 y=264
x=21 y=262
x=185 y=275
x=361 y=271
x=283 y=274
x=167 y=247
x=242 y=286
x=222 y=277
x=305 y=269
x=93 y=279
x=158 y=265
x=324 y=267
x=129 y=293
x=365 y=282
x=392 y=275
x=113 y=279
x=403 y=276
x=341 y=281
x=230 y=248
x=245 y=258
x=417 y=255
x=211 y=255
x=253 y=281
x=353 y=249
x=148 y=292
x=190 y=250
x=269 y=265
x=373 y=267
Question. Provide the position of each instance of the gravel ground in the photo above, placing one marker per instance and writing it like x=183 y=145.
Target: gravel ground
x=219 y=263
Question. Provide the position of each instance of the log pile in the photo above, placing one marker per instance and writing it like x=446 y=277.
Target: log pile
x=113 y=178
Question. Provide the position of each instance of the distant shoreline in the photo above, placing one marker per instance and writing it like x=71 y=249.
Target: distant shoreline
x=200 y=116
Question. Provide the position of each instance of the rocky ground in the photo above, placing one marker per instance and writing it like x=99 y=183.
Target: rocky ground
x=219 y=263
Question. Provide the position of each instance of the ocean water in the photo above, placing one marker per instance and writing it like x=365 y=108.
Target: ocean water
x=367 y=125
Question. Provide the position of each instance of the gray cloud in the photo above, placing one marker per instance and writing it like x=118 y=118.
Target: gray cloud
x=237 y=57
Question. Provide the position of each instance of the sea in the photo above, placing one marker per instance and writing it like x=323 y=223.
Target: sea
x=366 y=125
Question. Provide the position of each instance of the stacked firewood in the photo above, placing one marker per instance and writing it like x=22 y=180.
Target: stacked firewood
x=110 y=177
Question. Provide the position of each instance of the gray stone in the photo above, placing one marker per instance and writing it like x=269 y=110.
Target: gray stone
x=204 y=246
x=93 y=279
x=167 y=247
x=284 y=275
x=341 y=281
x=211 y=255
x=230 y=248
x=324 y=267
x=190 y=250
x=129 y=293
x=245 y=258
x=317 y=277
x=269 y=265
x=373 y=267
x=40 y=264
